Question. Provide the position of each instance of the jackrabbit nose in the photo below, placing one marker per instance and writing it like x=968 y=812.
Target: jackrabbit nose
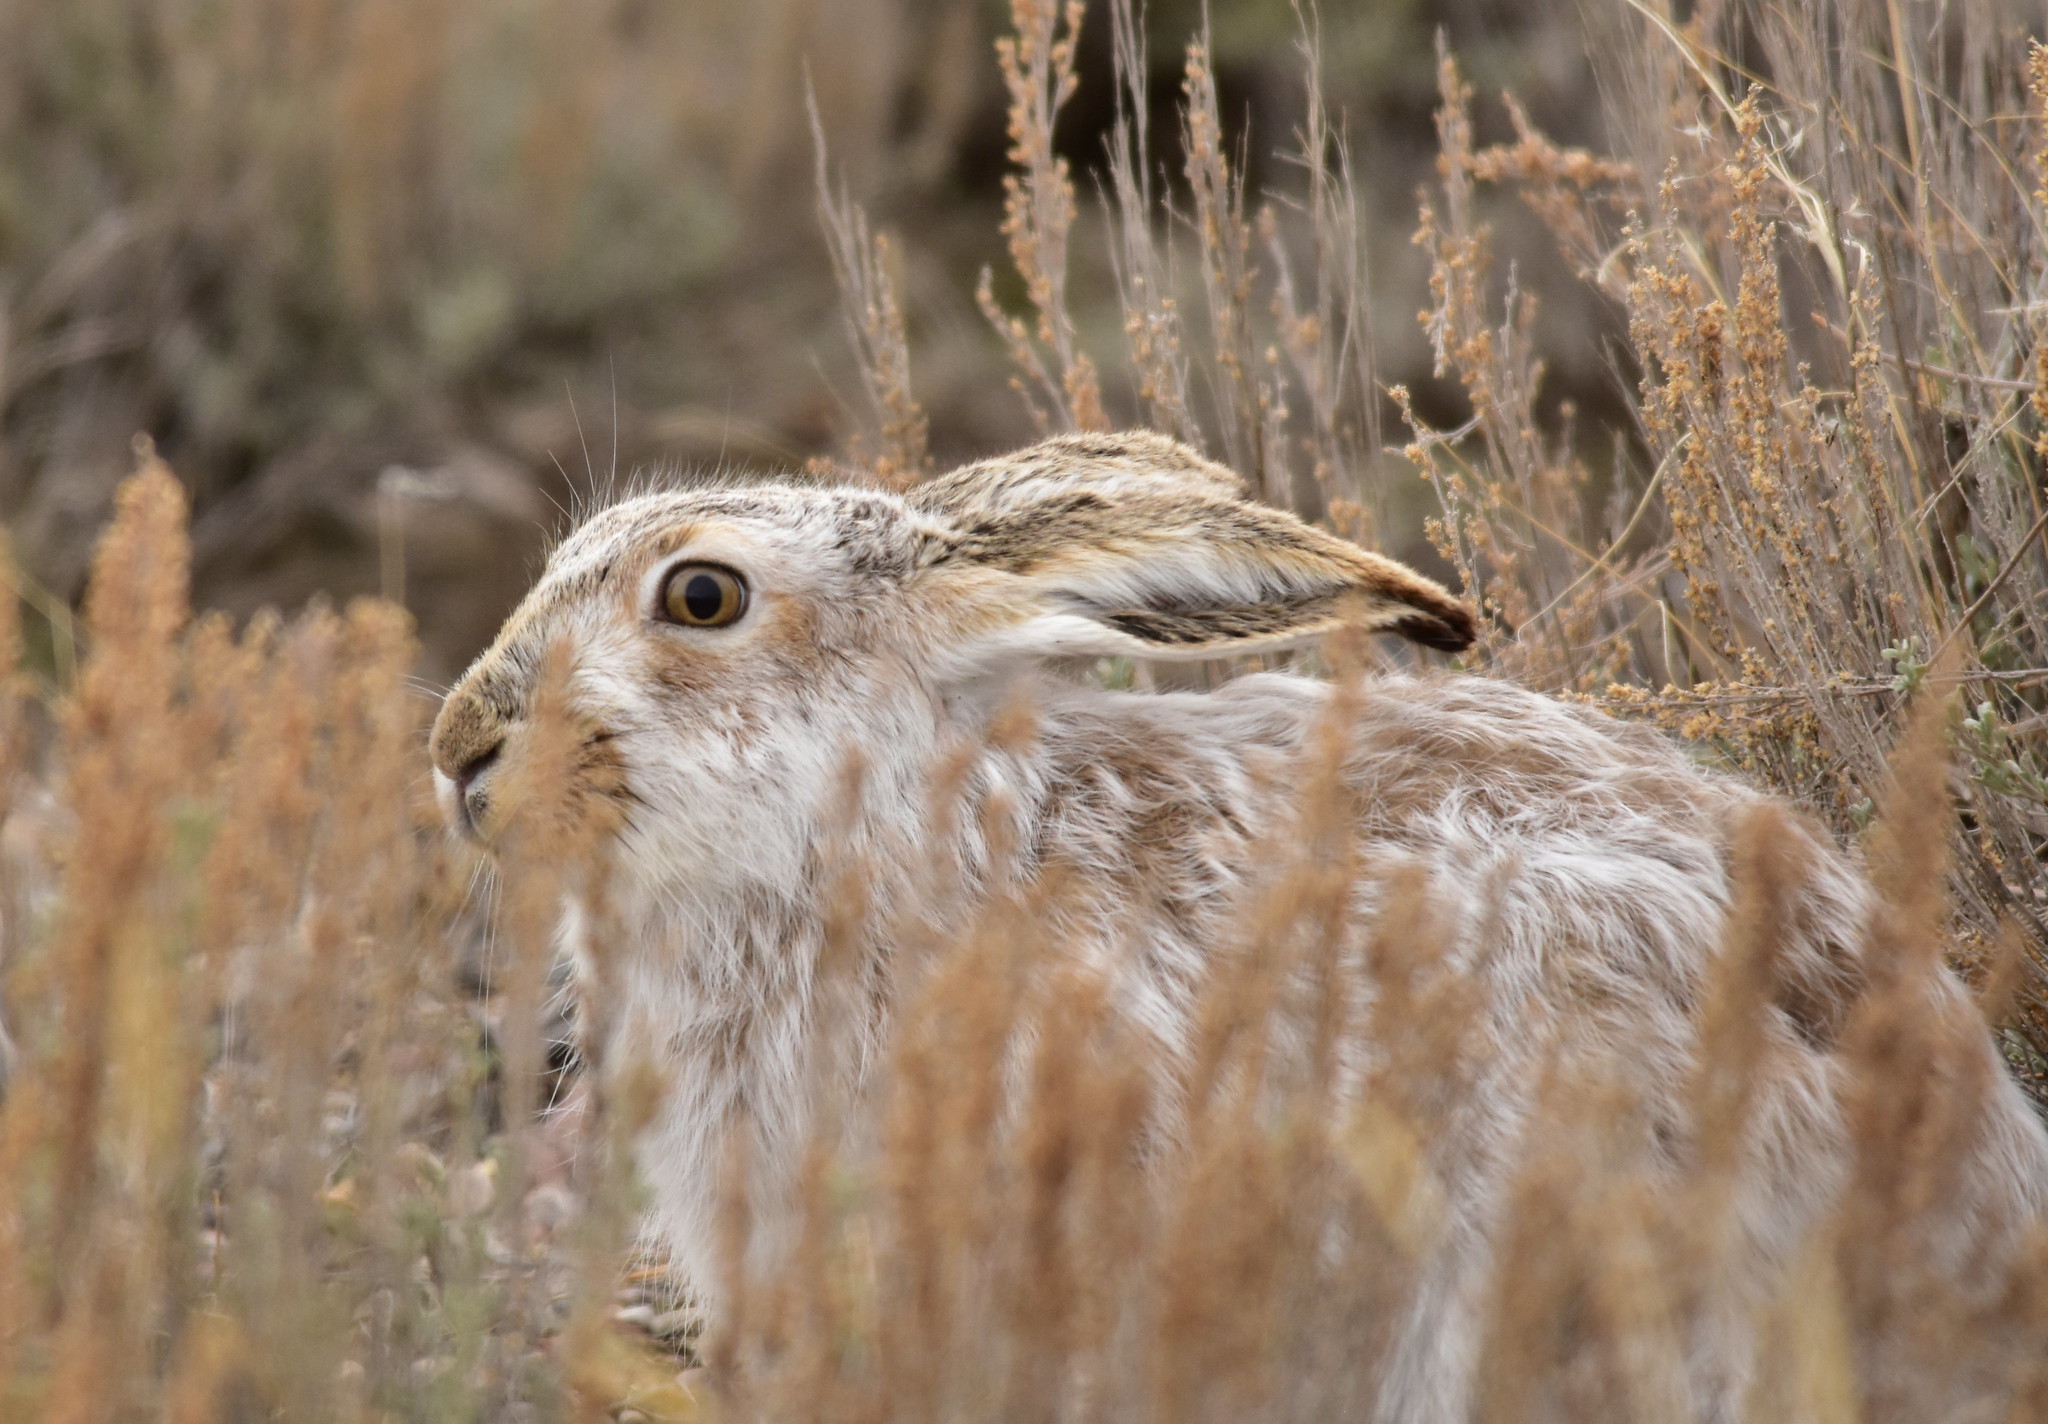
x=469 y=771
x=468 y=796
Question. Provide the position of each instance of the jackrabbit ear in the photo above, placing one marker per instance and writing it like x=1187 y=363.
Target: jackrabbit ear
x=1127 y=463
x=1096 y=546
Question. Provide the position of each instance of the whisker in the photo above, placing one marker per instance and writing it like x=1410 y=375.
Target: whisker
x=568 y=514
x=589 y=469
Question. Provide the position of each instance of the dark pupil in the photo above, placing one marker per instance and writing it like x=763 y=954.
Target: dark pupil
x=703 y=596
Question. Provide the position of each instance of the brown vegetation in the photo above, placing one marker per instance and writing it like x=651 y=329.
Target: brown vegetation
x=271 y=1148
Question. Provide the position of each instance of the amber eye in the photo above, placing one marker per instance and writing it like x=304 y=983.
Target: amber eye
x=703 y=595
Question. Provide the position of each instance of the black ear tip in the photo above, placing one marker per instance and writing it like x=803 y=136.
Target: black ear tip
x=1450 y=629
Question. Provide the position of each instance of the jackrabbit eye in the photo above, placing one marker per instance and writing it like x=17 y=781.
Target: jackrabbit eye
x=703 y=595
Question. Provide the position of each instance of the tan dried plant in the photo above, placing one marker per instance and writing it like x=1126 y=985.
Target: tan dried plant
x=1839 y=495
x=1815 y=508
x=280 y=1137
x=267 y=1151
x=1037 y=63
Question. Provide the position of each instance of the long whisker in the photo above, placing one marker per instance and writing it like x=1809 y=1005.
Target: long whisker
x=589 y=469
x=567 y=511
x=487 y=967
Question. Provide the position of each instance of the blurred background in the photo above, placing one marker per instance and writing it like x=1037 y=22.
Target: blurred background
x=390 y=283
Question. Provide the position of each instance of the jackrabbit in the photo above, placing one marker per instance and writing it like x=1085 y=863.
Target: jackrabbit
x=731 y=646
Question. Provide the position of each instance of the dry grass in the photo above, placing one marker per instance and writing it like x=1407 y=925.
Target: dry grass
x=1823 y=263
x=1832 y=287
x=269 y=1149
